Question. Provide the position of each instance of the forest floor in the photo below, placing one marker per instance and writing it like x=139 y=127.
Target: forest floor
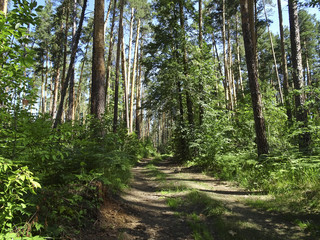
x=166 y=201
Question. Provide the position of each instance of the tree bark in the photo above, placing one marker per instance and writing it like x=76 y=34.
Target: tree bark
x=239 y=59
x=274 y=55
x=134 y=75
x=225 y=61
x=231 y=89
x=70 y=115
x=284 y=66
x=261 y=139
x=72 y=59
x=185 y=65
x=116 y=90
x=111 y=42
x=200 y=23
x=98 y=88
x=297 y=74
x=107 y=18
x=126 y=82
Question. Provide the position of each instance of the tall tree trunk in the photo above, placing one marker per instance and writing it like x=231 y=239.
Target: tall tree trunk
x=70 y=116
x=231 y=89
x=111 y=42
x=42 y=92
x=107 y=18
x=185 y=64
x=126 y=82
x=273 y=54
x=55 y=82
x=130 y=45
x=216 y=54
x=247 y=17
x=200 y=23
x=77 y=103
x=297 y=74
x=72 y=59
x=116 y=90
x=138 y=98
x=225 y=61
x=284 y=66
x=134 y=75
x=98 y=88
x=239 y=59
x=201 y=109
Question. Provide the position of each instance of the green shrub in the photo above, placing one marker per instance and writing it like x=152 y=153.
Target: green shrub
x=15 y=184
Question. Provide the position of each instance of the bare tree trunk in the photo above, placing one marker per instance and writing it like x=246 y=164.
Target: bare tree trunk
x=239 y=59
x=111 y=42
x=200 y=23
x=284 y=66
x=138 y=99
x=231 y=90
x=125 y=81
x=273 y=54
x=98 y=88
x=216 y=54
x=130 y=46
x=225 y=61
x=297 y=74
x=116 y=90
x=107 y=17
x=247 y=16
x=185 y=67
x=134 y=75
x=55 y=92
x=72 y=59
x=70 y=115
x=42 y=93
x=77 y=103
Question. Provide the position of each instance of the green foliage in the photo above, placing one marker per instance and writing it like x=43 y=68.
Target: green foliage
x=15 y=183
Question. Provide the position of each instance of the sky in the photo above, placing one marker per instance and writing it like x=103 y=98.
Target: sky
x=272 y=15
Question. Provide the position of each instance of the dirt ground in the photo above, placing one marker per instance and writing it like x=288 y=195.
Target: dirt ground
x=142 y=212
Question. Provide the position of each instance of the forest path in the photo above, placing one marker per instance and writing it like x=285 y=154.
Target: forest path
x=144 y=212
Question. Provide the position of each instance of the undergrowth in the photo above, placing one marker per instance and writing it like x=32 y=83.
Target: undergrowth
x=53 y=180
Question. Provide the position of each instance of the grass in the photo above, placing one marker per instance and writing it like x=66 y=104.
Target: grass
x=154 y=172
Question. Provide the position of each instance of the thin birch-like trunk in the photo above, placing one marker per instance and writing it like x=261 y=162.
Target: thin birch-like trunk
x=134 y=75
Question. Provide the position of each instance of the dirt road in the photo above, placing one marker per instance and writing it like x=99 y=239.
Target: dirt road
x=144 y=212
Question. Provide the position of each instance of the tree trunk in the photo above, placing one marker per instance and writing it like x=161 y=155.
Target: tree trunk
x=239 y=59
x=72 y=59
x=130 y=46
x=225 y=62
x=231 y=89
x=297 y=74
x=98 y=88
x=55 y=92
x=200 y=23
x=126 y=82
x=70 y=115
x=138 y=103
x=107 y=17
x=134 y=75
x=273 y=54
x=111 y=42
x=247 y=17
x=185 y=66
x=116 y=90
x=284 y=66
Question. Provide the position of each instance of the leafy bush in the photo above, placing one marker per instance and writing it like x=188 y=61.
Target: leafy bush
x=15 y=184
